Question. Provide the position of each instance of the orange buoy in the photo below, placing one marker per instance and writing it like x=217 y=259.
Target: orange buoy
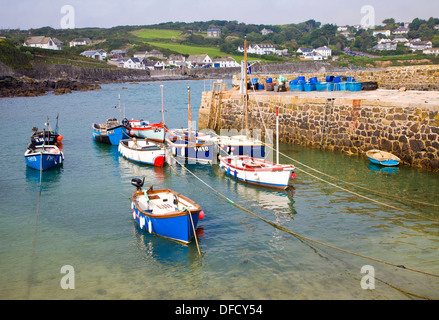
x=59 y=138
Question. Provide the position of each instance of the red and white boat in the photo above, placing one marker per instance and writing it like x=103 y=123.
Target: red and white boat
x=143 y=129
x=258 y=172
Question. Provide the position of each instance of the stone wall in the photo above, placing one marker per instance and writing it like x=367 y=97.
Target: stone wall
x=398 y=122
x=425 y=78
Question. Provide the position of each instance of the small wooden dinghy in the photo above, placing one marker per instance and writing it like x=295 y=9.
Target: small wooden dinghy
x=43 y=157
x=165 y=212
x=142 y=151
x=383 y=158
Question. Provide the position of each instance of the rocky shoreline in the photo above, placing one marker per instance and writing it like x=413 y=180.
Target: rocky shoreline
x=29 y=87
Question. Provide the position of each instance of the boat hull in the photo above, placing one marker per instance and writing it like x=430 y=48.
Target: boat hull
x=199 y=152
x=153 y=132
x=109 y=136
x=242 y=146
x=142 y=151
x=175 y=225
x=382 y=158
x=44 y=158
x=275 y=177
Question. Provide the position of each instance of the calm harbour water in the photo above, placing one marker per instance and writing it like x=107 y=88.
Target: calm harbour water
x=84 y=218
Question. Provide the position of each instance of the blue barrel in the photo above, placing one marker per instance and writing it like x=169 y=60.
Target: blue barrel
x=301 y=78
x=260 y=86
x=310 y=87
x=313 y=80
x=329 y=78
x=254 y=80
x=269 y=81
x=336 y=80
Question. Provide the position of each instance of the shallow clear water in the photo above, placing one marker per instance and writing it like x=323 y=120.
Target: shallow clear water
x=84 y=218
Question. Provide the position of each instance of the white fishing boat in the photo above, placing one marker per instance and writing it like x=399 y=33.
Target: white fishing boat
x=258 y=172
x=142 y=151
x=253 y=170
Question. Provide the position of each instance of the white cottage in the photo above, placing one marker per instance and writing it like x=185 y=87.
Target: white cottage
x=43 y=42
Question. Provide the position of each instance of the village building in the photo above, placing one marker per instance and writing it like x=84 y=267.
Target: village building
x=325 y=52
x=401 y=30
x=385 y=46
x=417 y=44
x=213 y=33
x=225 y=62
x=43 y=43
x=95 y=54
x=130 y=63
x=198 y=60
x=432 y=51
x=176 y=60
x=264 y=31
x=386 y=33
x=154 y=53
x=141 y=55
x=119 y=53
x=80 y=42
x=259 y=49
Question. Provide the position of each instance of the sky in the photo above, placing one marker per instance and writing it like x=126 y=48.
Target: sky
x=27 y=14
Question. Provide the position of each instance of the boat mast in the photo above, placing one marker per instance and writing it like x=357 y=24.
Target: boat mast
x=246 y=88
x=191 y=139
x=163 y=110
x=277 y=135
x=120 y=110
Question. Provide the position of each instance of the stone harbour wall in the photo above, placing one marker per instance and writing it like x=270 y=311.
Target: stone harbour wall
x=403 y=123
x=422 y=77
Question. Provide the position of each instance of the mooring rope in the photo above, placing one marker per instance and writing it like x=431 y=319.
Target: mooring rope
x=294 y=233
x=346 y=182
x=349 y=191
x=35 y=226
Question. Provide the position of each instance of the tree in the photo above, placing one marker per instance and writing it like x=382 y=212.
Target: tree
x=389 y=23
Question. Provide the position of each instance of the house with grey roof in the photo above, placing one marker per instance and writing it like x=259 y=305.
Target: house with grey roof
x=198 y=60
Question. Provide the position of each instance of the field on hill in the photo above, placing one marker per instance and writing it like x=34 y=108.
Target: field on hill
x=153 y=34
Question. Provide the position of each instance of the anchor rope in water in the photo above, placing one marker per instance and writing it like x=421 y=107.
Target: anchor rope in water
x=35 y=226
x=294 y=233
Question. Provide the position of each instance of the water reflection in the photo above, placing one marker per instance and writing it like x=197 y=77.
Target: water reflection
x=378 y=168
x=165 y=251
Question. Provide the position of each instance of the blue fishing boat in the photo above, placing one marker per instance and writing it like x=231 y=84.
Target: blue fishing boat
x=197 y=147
x=110 y=132
x=43 y=157
x=165 y=212
x=382 y=158
x=46 y=136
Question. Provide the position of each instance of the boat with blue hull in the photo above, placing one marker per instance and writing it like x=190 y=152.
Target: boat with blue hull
x=47 y=136
x=197 y=147
x=165 y=213
x=382 y=158
x=43 y=157
x=110 y=132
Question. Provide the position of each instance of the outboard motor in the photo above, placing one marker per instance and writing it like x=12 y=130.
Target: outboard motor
x=138 y=183
x=125 y=122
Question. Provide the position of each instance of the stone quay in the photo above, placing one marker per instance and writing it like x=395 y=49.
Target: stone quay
x=403 y=122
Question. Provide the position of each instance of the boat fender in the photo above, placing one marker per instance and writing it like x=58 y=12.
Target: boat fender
x=59 y=138
x=235 y=174
x=149 y=226
x=228 y=171
x=293 y=175
x=142 y=222
x=201 y=215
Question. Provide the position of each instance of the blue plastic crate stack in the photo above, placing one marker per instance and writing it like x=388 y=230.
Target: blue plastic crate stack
x=331 y=83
